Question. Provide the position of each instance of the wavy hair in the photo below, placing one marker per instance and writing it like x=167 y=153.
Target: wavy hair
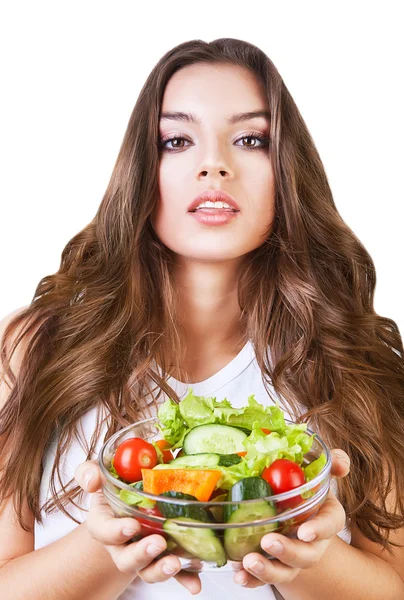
x=96 y=326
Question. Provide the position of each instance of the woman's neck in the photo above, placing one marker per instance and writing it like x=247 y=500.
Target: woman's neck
x=209 y=316
x=208 y=311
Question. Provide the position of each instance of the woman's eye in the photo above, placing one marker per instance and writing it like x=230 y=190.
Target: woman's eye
x=176 y=140
x=164 y=143
x=263 y=141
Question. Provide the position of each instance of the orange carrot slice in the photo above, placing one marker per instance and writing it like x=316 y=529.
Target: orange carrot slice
x=197 y=482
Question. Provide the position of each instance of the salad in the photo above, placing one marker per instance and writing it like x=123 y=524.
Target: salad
x=210 y=451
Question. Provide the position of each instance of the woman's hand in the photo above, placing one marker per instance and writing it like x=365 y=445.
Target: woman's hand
x=114 y=533
x=295 y=554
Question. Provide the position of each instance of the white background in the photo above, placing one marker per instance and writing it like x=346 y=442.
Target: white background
x=71 y=73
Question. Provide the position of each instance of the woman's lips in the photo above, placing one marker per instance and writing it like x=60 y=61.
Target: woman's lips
x=214 y=216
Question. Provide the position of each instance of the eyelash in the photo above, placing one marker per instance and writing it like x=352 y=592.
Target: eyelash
x=262 y=138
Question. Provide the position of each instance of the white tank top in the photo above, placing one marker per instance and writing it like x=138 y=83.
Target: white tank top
x=236 y=381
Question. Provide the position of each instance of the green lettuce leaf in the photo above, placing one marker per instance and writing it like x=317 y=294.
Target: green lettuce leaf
x=132 y=498
x=269 y=417
x=171 y=424
x=314 y=468
x=197 y=410
x=177 y=419
x=311 y=471
x=113 y=471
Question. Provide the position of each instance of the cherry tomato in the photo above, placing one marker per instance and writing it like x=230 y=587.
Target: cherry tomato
x=284 y=475
x=133 y=455
x=147 y=526
x=164 y=447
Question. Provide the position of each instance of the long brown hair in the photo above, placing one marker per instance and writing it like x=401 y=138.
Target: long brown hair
x=97 y=324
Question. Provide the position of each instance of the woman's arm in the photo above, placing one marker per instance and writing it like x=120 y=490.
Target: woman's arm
x=345 y=572
x=328 y=567
x=72 y=568
x=79 y=565
x=362 y=569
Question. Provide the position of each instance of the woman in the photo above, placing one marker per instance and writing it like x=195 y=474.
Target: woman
x=152 y=296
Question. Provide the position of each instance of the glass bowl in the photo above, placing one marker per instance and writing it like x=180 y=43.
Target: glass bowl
x=210 y=543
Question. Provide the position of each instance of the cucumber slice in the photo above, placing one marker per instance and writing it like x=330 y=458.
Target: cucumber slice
x=171 y=545
x=227 y=460
x=220 y=439
x=202 y=543
x=245 y=429
x=172 y=511
x=242 y=540
x=208 y=460
x=246 y=489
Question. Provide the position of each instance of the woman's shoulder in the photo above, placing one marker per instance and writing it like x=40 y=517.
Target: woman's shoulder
x=17 y=357
x=6 y=320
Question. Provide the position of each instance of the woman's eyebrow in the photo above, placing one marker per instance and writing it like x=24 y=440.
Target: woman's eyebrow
x=237 y=118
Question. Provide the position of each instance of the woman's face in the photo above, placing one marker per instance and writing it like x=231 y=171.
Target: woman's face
x=215 y=155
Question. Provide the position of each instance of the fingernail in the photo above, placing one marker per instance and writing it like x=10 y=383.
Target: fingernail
x=129 y=531
x=257 y=566
x=242 y=581
x=87 y=477
x=152 y=550
x=275 y=547
x=168 y=569
x=307 y=536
